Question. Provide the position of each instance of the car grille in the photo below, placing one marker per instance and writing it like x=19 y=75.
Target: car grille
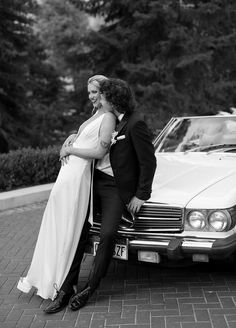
x=156 y=217
x=151 y=218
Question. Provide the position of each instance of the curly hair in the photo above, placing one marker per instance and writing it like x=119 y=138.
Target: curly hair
x=119 y=94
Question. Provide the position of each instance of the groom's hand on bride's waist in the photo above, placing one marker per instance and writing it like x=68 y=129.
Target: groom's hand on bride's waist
x=135 y=204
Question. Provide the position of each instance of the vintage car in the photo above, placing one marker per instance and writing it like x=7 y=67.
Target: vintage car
x=192 y=211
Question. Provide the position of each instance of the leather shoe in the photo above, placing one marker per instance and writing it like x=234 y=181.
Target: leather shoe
x=79 y=300
x=60 y=301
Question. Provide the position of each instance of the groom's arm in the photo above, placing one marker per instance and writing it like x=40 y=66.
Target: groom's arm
x=144 y=149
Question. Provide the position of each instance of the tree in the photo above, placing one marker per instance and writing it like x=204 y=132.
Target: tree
x=62 y=28
x=44 y=104
x=15 y=24
x=29 y=85
x=179 y=56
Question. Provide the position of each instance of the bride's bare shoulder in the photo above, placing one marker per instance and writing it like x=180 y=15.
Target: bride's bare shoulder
x=110 y=116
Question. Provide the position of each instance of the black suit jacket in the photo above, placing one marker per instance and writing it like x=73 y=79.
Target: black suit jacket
x=132 y=158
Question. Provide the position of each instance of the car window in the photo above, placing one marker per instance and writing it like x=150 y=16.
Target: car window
x=200 y=134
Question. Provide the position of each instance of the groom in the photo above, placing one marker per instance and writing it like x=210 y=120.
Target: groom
x=122 y=180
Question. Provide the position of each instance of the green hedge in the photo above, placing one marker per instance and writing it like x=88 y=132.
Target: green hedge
x=28 y=167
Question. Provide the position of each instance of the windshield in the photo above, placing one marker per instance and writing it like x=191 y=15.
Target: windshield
x=199 y=134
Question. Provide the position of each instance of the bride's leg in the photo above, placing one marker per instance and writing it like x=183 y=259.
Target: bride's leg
x=72 y=276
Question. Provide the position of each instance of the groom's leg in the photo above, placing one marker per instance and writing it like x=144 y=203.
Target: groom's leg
x=112 y=207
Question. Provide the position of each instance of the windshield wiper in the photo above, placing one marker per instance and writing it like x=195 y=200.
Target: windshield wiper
x=212 y=147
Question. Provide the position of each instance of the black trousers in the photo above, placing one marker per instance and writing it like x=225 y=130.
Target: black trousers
x=108 y=202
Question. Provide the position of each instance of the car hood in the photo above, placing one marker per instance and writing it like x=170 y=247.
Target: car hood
x=195 y=180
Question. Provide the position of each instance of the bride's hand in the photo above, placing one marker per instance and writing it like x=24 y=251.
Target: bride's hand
x=64 y=154
x=69 y=141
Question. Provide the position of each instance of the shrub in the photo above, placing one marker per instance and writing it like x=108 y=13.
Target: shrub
x=28 y=167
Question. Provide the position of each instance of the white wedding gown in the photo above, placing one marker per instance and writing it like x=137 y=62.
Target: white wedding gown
x=63 y=220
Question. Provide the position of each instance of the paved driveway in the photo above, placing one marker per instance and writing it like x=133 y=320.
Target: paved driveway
x=133 y=295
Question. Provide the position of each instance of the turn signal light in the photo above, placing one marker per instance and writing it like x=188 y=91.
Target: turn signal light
x=152 y=257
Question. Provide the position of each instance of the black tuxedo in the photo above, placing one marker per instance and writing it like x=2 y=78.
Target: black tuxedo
x=132 y=158
x=133 y=163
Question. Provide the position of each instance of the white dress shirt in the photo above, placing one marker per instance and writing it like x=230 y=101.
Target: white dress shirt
x=104 y=164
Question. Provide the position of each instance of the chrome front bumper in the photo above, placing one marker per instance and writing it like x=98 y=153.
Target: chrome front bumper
x=180 y=247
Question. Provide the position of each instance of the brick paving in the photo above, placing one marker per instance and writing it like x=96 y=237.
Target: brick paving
x=132 y=295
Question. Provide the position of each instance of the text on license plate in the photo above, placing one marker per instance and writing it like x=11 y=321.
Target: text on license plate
x=120 y=251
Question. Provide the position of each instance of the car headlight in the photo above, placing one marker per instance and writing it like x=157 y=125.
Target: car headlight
x=219 y=220
x=196 y=220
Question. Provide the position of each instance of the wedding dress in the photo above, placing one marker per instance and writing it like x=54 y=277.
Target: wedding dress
x=63 y=219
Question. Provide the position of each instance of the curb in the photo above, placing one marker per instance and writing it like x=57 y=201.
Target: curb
x=25 y=196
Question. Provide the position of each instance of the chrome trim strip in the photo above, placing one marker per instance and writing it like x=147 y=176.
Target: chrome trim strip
x=147 y=233
x=148 y=243
x=158 y=219
x=132 y=232
x=174 y=206
x=199 y=244
x=185 y=243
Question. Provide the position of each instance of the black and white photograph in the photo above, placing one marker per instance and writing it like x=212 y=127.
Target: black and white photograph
x=117 y=163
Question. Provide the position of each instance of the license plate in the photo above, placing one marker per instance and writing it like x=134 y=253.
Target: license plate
x=120 y=251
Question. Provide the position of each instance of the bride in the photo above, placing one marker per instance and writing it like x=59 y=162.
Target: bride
x=68 y=204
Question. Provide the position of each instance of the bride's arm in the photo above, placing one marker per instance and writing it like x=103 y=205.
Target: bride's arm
x=69 y=140
x=106 y=129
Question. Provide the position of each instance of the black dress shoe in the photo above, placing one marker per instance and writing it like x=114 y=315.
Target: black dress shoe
x=61 y=300
x=79 y=300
